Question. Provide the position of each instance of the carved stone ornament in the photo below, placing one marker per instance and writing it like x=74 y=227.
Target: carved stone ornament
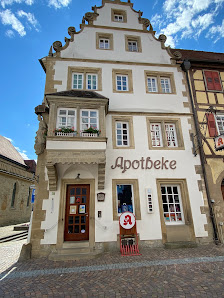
x=71 y=31
x=90 y=17
x=57 y=45
x=162 y=38
x=145 y=22
x=40 y=139
x=177 y=54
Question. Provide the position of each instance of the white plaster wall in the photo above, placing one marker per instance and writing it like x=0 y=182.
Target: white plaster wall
x=137 y=101
x=104 y=18
x=69 y=145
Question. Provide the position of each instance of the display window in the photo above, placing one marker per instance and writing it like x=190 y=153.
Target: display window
x=125 y=198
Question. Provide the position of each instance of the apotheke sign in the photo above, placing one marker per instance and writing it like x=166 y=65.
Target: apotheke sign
x=219 y=142
x=144 y=164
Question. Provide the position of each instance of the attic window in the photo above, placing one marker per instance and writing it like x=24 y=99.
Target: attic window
x=119 y=16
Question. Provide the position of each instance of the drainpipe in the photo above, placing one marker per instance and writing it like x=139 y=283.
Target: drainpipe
x=186 y=65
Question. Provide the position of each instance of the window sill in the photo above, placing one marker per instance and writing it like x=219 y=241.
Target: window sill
x=77 y=139
x=166 y=148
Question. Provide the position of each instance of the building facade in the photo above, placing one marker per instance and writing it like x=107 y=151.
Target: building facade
x=118 y=122
x=205 y=73
x=16 y=180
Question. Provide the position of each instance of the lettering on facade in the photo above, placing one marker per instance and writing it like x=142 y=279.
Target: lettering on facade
x=144 y=164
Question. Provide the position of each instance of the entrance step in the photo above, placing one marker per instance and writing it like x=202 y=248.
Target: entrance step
x=75 y=244
x=180 y=244
x=72 y=251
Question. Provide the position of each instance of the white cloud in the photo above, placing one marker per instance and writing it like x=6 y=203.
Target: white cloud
x=8 y=18
x=216 y=32
x=10 y=33
x=187 y=18
x=10 y=2
x=30 y=18
x=22 y=153
x=59 y=3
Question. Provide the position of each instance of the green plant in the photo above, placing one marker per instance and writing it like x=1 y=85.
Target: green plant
x=92 y=130
x=65 y=130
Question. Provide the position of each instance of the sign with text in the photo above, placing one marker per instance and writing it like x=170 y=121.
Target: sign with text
x=219 y=142
x=144 y=164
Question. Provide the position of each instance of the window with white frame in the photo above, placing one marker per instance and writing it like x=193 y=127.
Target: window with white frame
x=172 y=204
x=152 y=84
x=89 y=118
x=92 y=82
x=122 y=82
x=66 y=118
x=171 y=136
x=77 y=82
x=104 y=43
x=85 y=81
x=122 y=134
x=165 y=85
x=132 y=46
x=118 y=18
x=220 y=124
x=125 y=198
x=156 y=135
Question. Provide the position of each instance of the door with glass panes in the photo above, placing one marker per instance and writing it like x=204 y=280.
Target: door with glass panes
x=77 y=213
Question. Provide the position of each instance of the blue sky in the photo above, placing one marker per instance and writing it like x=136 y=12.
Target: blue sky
x=29 y=27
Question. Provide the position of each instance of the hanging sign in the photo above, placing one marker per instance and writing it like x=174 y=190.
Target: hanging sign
x=219 y=142
x=127 y=220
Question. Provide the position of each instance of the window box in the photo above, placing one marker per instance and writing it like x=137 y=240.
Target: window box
x=66 y=134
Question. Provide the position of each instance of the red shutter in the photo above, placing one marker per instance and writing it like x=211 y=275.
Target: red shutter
x=209 y=80
x=211 y=125
x=216 y=81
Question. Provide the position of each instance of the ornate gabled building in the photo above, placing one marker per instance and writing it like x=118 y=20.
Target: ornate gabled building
x=114 y=135
x=205 y=75
x=16 y=180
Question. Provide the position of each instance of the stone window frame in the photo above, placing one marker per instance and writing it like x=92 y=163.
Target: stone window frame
x=118 y=12
x=158 y=75
x=85 y=71
x=133 y=38
x=129 y=120
x=65 y=108
x=122 y=72
x=136 y=201
x=163 y=121
x=103 y=35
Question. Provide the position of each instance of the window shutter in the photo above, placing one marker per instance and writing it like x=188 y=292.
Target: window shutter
x=209 y=80
x=216 y=81
x=211 y=125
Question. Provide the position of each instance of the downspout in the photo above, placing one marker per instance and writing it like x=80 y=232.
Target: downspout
x=186 y=65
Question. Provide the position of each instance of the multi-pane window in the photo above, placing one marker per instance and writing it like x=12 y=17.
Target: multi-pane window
x=91 y=81
x=132 y=46
x=220 y=124
x=118 y=18
x=122 y=134
x=156 y=135
x=124 y=198
x=66 y=118
x=152 y=84
x=122 y=82
x=89 y=118
x=104 y=43
x=85 y=81
x=77 y=81
x=172 y=206
x=171 y=136
x=165 y=85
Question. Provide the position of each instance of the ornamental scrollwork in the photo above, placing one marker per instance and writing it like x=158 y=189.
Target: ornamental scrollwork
x=57 y=45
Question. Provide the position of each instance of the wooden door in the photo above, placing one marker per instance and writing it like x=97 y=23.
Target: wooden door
x=77 y=213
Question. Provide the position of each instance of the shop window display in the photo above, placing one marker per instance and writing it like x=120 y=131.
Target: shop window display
x=124 y=197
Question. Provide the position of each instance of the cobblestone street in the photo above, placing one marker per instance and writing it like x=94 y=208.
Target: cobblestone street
x=191 y=272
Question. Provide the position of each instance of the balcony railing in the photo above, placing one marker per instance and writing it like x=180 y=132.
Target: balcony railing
x=75 y=134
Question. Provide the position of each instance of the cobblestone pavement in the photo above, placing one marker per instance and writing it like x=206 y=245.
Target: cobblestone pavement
x=191 y=272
